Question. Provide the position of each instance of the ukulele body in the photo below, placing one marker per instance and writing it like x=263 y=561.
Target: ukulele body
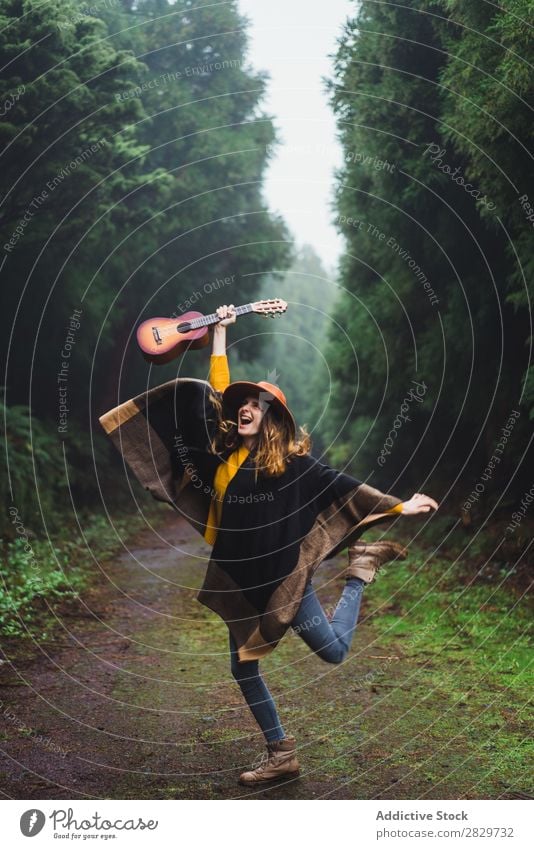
x=160 y=341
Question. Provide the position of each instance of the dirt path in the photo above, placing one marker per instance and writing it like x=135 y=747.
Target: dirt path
x=134 y=699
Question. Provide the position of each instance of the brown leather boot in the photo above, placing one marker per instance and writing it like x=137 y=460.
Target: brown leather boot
x=280 y=761
x=366 y=558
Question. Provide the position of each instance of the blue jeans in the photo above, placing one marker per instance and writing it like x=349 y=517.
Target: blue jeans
x=329 y=640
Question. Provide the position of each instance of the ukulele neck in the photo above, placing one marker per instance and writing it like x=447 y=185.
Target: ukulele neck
x=213 y=318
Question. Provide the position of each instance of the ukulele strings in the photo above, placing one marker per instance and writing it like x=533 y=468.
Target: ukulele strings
x=195 y=323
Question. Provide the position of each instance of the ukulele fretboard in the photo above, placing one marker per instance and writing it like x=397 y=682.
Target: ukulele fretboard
x=213 y=318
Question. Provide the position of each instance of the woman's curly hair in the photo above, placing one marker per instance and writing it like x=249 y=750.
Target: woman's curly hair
x=276 y=442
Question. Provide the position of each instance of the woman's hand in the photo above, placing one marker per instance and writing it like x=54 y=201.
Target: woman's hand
x=418 y=503
x=227 y=315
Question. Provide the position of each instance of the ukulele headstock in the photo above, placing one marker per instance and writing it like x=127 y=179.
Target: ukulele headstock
x=270 y=307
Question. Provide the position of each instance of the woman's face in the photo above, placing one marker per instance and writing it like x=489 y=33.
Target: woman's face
x=249 y=416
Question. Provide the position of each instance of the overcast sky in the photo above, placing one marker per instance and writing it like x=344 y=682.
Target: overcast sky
x=293 y=40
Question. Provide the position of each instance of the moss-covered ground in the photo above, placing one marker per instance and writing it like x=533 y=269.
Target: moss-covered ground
x=132 y=696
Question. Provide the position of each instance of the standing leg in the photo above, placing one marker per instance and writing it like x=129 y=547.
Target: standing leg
x=329 y=640
x=280 y=760
x=256 y=695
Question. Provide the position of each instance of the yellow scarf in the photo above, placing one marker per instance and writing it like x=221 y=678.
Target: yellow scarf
x=223 y=476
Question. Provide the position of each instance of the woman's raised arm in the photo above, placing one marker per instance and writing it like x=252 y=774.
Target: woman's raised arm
x=219 y=375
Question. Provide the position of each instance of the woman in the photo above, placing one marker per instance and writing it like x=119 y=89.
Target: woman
x=229 y=457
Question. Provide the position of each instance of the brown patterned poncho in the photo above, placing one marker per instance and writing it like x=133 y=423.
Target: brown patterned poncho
x=274 y=532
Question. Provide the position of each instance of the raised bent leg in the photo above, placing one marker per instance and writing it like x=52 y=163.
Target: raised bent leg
x=256 y=694
x=329 y=640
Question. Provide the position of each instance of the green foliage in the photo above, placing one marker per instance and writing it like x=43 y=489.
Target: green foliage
x=203 y=103
x=487 y=118
x=31 y=571
x=28 y=455
x=35 y=574
x=134 y=150
x=431 y=286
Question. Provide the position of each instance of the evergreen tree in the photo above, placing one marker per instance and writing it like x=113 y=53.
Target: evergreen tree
x=124 y=192
x=424 y=275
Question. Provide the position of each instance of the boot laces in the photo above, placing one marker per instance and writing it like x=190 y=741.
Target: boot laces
x=261 y=762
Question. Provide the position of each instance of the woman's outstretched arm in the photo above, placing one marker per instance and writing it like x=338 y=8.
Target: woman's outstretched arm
x=372 y=500
x=219 y=376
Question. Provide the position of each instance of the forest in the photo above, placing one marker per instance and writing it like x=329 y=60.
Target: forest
x=434 y=112
x=134 y=148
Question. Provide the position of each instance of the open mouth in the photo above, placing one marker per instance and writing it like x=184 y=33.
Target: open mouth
x=245 y=419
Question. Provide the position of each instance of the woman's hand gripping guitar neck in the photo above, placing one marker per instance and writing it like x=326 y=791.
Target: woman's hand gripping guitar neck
x=227 y=316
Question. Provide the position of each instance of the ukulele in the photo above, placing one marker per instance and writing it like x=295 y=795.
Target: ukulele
x=163 y=339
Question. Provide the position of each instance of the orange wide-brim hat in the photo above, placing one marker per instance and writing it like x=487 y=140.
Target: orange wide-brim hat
x=270 y=393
